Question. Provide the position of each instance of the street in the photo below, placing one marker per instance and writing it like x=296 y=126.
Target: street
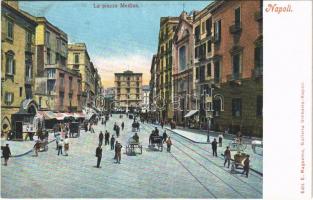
x=189 y=171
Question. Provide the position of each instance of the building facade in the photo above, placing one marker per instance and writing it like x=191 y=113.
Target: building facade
x=128 y=91
x=183 y=55
x=145 y=106
x=17 y=66
x=58 y=88
x=79 y=60
x=167 y=28
x=153 y=83
x=238 y=67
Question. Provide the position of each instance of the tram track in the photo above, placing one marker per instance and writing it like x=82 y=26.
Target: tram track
x=208 y=170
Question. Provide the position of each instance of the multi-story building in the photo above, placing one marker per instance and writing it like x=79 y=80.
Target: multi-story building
x=128 y=91
x=58 y=88
x=109 y=97
x=79 y=60
x=153 y=83
x=237 y=66
x=183 y=80
x=167 y=28
x=17 y=67
x=145 y=106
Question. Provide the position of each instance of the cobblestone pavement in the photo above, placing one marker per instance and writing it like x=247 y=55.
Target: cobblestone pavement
x=189 y=171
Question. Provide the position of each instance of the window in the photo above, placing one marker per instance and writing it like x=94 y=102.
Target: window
x=182 y=58
x=237 y=16
x=47 y=38
x=217 y=31
x=209 y=26
x=21 y=91
x=9 y=98
x=216 y=71
x=76 y=58
x=203 y=27
x=61 y=101
x=236 y=66
x=61 y=79
x=236 y=107
x=197 y=33
x=10 y=31
x=197 y=52
x=208 y=69
x=197 y=73
x=10 y=63
x=202 y=51
x=58 y=44
x=28 y=72
x=258 y=57
x=202 y=73
x=259 y=105
x=28 y=39
x=209 y=46
x=51 y=86
x=48 y=56
x=51 y=73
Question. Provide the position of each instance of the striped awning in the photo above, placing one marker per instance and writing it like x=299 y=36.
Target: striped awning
x=79 y=115
x=47 y=114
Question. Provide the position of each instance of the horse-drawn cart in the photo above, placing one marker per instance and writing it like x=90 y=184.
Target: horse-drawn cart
x=157 y=141
x=239 y=160
x=132 y=146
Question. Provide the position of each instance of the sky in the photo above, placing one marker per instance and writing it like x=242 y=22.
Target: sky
x=117 y=39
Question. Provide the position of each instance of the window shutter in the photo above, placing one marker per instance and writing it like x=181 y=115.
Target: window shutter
x=14 y=66
x=6 y=64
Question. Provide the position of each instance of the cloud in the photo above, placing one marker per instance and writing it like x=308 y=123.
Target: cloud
x=139 y=62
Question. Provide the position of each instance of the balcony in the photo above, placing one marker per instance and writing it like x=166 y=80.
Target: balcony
x=235 y=28
x=257 y=72
x=234 y=78
x=258 y=16
x=56 y=65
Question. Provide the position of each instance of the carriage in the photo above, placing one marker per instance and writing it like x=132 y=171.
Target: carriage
x=135 y=126
x=132 y=145
x=157 y=141
x=239 y=159
x=74 y=129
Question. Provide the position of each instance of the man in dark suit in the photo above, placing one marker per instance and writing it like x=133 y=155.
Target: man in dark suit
x=99 y=155
x=214 y=147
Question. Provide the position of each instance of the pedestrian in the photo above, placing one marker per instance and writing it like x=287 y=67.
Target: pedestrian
x=246 y=166
x=6 y=153
x=105 y=122
x=162 y=124
x=164 y=136
x=100 y=138
x=57 y=140
x=60 y=146
x=66 y=145
x=115 y=155
x=214 y=147
x=107 y=138
x=98 y=155
x=112 y=142
x=122 y=126
x=220 y=139
x=156 y=131
x=239 y=136
x=92 y=130
x=227 y=156
x=37 y=147
x=117 y=131
x=118 y=150
x=169 y=144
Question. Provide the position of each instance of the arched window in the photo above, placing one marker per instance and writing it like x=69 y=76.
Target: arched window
x=218 y=103
x=182 y=58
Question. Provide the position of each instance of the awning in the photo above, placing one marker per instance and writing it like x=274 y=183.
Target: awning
x=60 y=116
x=47 y=114
x=79 y=115
x=191 y=113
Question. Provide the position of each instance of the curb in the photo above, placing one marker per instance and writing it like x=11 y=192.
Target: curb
x=256 y=171
x=27 y=152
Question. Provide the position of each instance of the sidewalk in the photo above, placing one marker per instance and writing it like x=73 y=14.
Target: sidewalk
x=18 y=148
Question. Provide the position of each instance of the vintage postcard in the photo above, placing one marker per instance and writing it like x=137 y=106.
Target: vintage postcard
x=137 y=99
